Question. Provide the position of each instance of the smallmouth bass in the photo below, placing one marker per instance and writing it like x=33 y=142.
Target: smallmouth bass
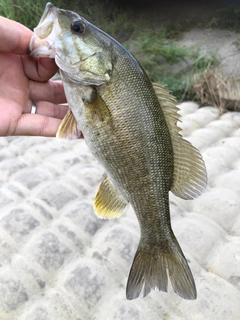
x=130 y=126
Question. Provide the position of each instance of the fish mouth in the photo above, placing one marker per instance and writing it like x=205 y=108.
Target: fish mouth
x=40 y=48
x=41 y=43
x=49 y=9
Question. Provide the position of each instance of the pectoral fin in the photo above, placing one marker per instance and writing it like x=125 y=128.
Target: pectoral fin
x=68 y=128
x=109 y=203
x=190 y=176
x=98 y=111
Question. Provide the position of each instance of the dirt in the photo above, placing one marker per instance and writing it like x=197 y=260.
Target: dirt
x=224 y=44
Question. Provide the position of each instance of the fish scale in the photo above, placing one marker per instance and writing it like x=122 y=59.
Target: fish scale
x=130 y=126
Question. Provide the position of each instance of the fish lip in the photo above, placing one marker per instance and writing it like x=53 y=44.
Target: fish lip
x=43 y=49
x=49 y=8
x=41 y=46
x=42 y=52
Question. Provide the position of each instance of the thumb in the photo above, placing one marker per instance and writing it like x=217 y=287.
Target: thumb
x=39 y=69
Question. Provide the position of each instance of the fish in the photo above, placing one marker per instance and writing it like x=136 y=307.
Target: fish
x=131 y=127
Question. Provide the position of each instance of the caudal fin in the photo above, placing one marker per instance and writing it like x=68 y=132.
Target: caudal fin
x=152 y=265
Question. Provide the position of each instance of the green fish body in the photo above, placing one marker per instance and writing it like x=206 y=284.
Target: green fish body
x=130 y=126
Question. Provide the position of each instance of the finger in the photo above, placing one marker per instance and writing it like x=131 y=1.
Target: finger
x=14 y=37
x=37 y=125
x=52 y=110
x=51 y=91
x=39 y=69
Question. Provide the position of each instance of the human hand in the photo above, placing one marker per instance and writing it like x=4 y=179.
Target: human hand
x=23 y=81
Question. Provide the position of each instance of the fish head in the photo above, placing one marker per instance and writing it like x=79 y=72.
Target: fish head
x=74 y=44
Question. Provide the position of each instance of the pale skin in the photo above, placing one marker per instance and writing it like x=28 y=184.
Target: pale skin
x=24 y=80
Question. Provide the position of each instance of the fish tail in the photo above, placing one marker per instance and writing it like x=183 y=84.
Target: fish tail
x=153 y=264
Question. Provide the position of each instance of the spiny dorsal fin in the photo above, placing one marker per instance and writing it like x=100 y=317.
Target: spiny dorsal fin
x=108 y=203
x=68 y=128
x=190 y=176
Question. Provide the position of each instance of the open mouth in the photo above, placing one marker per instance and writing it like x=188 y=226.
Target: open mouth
x=40 y=48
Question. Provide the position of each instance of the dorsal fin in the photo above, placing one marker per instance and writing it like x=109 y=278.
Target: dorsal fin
x=109 y=203
x=190 y=176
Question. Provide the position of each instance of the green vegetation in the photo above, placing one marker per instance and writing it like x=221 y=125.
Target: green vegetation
x=167 y=62
x=228 y=18
x=28 y=12
x=150 y=37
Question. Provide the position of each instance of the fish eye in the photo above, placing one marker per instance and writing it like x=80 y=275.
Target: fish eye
x=78 y=27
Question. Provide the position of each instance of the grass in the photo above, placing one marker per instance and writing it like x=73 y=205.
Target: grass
x=27 y=13
x=215 y=89
x=228 y=18
x=151 y=38
x=165 y=61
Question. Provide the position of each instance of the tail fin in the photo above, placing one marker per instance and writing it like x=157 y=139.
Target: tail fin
x=153 y=264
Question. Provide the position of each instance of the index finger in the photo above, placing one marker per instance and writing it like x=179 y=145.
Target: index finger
x=14 y=37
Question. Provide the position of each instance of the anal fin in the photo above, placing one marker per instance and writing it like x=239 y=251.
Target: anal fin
x=109 y=203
